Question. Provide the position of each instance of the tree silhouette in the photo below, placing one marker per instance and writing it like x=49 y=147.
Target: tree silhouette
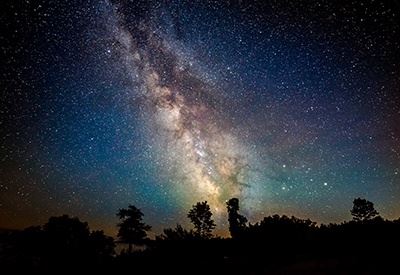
x=200 y=216
x=63 y=242
x=237 y=222
x=67 y=236
x=68 y=242
x=101 y=246
x=363 y=210
x=131 y=229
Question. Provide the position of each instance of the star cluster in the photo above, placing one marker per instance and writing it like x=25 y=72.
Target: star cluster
x=292 y=107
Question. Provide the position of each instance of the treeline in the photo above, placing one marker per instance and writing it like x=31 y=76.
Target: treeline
x=275 y=245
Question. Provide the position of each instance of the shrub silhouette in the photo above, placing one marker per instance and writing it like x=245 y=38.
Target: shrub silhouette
x=176 y=234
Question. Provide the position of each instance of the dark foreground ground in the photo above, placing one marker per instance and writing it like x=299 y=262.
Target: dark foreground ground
x=273 y=248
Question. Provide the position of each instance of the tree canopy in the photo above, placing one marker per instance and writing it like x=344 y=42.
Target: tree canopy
x=363 y=210
x=132 y=230
x=200 y=215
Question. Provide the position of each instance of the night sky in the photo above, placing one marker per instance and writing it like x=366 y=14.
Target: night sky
x=293 y=107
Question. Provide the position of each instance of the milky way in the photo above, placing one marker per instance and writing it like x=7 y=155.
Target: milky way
x=196 y=144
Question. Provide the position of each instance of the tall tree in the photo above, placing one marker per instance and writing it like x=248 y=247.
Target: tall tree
x=200 y=215
x=131 y=228
x=363 y=210
x=236 y=221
